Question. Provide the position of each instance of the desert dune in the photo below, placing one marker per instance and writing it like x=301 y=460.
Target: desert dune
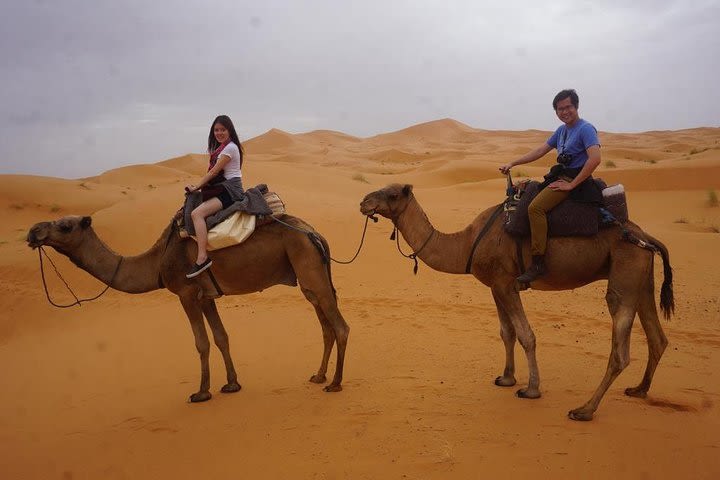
x=100 y=391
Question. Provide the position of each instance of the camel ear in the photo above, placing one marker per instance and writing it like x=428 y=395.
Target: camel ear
x=85 y=222
x=407 y=190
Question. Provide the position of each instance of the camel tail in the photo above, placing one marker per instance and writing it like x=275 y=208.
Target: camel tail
x=667 y=297
x=326 y=246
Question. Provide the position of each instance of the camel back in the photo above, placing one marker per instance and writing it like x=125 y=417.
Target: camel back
x=569 y=218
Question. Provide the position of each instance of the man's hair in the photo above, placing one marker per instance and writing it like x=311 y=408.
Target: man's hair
x=565 y=94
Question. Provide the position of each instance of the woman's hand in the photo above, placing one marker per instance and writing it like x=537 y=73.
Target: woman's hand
x=191 y=188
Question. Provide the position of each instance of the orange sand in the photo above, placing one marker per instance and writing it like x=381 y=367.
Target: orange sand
x=99 y=392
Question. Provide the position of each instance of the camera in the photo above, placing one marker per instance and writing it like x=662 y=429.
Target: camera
x=564 y=159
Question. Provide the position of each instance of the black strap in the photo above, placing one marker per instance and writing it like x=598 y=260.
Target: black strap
x=214 y=282
x=482 y=233
x=520 y=259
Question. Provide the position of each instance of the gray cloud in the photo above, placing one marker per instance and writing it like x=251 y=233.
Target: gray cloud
x=89 y=86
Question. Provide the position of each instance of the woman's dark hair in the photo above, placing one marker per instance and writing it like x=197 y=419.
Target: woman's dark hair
x=225 y=121
x=565 y=94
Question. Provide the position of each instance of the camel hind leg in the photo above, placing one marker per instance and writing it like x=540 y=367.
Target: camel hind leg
x=223 y=343
x=335 y=330
x=328 y=342
x=314 y=277
x=622 y=309
x=657 y=342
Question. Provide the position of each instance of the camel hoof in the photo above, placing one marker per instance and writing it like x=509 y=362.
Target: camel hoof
x=636 y=392
x=200 y=397
x=333 y=388
x=527 y=393
x=318 y=379
x=231 y=388
x=505 y=381
x=580 y=415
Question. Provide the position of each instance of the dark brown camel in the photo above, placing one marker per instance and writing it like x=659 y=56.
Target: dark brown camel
x=572 y=262
x=275 y=254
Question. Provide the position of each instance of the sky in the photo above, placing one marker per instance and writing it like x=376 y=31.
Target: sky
x=92 y=85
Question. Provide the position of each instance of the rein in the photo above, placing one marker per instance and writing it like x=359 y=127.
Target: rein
x=412 y=256
x=78 y=301
x=310 y=234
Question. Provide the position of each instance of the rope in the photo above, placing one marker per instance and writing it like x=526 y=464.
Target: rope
x=412 y=256
x=78 y=301
x=310 y=234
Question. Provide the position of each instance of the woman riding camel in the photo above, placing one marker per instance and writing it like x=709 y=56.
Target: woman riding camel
x=221 y=186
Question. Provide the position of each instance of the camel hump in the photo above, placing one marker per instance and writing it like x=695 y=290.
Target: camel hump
x=569 y=218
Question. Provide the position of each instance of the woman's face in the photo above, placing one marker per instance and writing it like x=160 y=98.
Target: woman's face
x=221 y=133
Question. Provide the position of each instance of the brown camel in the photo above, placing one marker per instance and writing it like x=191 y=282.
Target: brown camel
x=275 y=254
x=572 y=262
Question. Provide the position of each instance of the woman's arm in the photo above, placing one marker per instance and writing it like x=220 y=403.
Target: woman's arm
x=212 y=173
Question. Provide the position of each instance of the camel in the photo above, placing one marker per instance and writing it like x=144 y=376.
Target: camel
x=275 y=254
x=572 y=262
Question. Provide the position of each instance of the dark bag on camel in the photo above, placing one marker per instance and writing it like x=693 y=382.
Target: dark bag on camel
x=213 y=188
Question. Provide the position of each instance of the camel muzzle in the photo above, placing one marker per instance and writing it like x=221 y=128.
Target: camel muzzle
x=36 y=236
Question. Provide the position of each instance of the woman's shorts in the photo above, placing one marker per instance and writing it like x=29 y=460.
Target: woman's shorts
x=224 y=197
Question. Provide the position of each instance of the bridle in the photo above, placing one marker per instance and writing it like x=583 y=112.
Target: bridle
x=78 y=301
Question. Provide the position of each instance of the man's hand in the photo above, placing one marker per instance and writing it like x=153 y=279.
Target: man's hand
x=505 y=168
x=561 y=186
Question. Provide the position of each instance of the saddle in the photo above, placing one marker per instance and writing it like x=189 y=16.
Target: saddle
x=236 y=227
x=569 y=218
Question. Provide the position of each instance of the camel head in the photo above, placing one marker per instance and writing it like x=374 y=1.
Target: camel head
x=62 y=234
x=389 y=202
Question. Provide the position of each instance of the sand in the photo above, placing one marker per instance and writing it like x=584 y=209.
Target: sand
x=100 y=391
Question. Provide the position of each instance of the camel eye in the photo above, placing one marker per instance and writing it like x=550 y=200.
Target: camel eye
x=393 y=196
x=65 y=227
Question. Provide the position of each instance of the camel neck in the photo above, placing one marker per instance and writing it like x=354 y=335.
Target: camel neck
x=436 y=249
x=136 y=274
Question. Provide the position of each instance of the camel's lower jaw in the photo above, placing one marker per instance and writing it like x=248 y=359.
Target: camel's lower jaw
x=33 y=242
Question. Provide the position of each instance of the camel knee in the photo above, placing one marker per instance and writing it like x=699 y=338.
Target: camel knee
x=507 y=334
x=203 y=348
x=612 y=298
x=221 y=339
x=527 y=341
x=619 y=361
x=310 y=296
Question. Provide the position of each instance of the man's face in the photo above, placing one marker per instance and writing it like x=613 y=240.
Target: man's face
x=566 y=111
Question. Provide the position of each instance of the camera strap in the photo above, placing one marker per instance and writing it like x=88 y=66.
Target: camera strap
x=563 y=140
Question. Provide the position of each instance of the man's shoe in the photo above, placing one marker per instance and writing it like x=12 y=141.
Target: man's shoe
x=198 y=269
x=536 y=269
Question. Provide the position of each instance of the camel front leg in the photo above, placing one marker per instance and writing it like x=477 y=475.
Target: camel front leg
x=507 y=333
x=223 y=343
x=509 y=302
x=202 y=344
x=623 y=314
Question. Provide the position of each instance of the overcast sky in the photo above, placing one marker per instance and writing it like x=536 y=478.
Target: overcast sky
x=90 y=85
